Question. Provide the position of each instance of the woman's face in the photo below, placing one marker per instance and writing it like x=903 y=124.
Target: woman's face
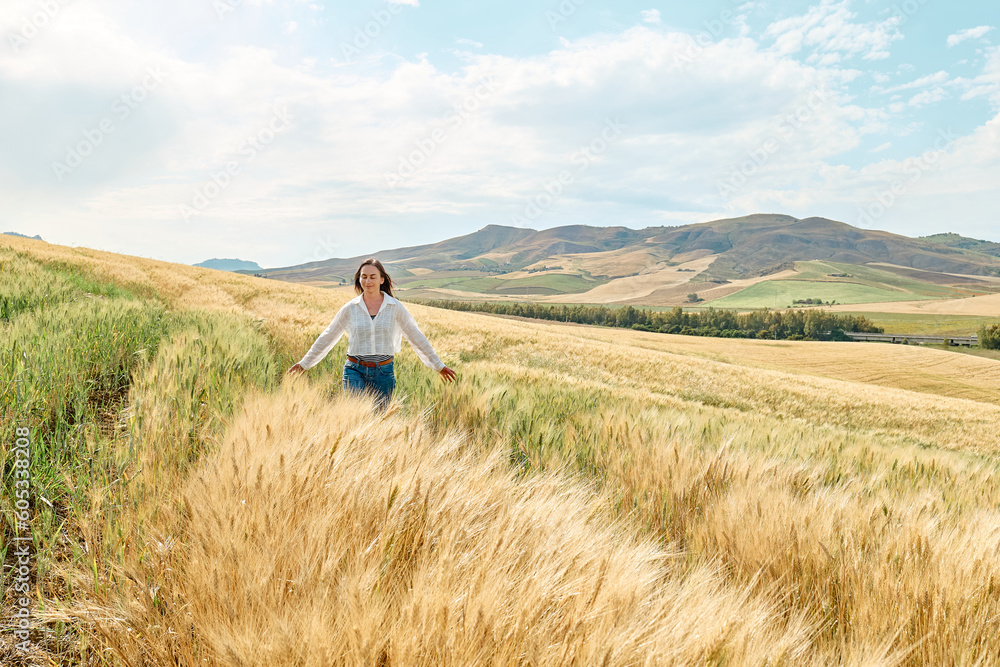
x=371 y=279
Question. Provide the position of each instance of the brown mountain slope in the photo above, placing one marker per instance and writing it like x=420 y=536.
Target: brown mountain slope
x=514 y=247
x=746 y=247
x=757 y=245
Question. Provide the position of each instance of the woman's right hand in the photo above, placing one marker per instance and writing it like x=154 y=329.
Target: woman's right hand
x=295 y=370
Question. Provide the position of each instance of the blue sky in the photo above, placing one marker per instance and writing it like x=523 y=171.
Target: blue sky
x=290 y=131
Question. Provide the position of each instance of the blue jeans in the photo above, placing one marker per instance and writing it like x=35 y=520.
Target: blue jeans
x=378 y=381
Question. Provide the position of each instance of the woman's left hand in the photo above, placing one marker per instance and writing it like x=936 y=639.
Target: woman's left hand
x=447 y=374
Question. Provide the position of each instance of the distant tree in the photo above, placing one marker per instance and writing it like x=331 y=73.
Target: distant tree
x=694 y=298
x=775 y=325
x=839 y=335
x=627 y=316
x=989 y=337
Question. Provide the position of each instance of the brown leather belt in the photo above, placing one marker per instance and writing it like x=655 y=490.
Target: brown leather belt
x=369 y=364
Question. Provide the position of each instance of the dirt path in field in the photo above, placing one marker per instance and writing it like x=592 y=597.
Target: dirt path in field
x=453 y=294
x=642 y=286
x=677 y=296
x=666 y=287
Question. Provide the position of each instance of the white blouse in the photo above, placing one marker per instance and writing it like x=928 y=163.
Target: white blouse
x=365 y=335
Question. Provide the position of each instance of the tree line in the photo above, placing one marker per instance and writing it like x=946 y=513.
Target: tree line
x=989 y=337
x=764 y=324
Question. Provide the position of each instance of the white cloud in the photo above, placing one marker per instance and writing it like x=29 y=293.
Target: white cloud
x=986 y=84
x=351 y=127
x=953 y=177
x=52 y=54
x=825 y=59
x=878 y=149
x=970 y=33
x=929 y=96
x=829 y=28
x=289 y=28
x=469 y=42
x=651 y=16
x=929 y=80
x=694 y=114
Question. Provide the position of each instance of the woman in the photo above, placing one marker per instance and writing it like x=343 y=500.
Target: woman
x=375 y=324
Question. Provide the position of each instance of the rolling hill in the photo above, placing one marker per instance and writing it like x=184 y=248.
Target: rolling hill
x=491 y=247
x=953 y=240
x=662 y=266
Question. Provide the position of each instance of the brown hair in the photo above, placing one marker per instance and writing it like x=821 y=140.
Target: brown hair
x=386 y=280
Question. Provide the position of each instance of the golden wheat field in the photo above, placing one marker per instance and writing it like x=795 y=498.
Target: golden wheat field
x=580 y=496
x=988 y=305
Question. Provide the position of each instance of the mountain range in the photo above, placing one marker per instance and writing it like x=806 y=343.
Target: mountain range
x=815 y=258
x=744 y=247
x=230 y=265
x=25 y=236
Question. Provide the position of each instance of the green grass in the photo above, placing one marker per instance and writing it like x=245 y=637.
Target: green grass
x=872 y=277
x=74 y=349
x=26 y=284
x=929 y=325
x=438 y=279
x=71 y=364
x=953 y=240
x=781 y=294
x=428 y=282
x=558 y=283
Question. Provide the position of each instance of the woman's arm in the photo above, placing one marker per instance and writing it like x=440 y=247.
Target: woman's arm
x=324 y=343
x=425 y=351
